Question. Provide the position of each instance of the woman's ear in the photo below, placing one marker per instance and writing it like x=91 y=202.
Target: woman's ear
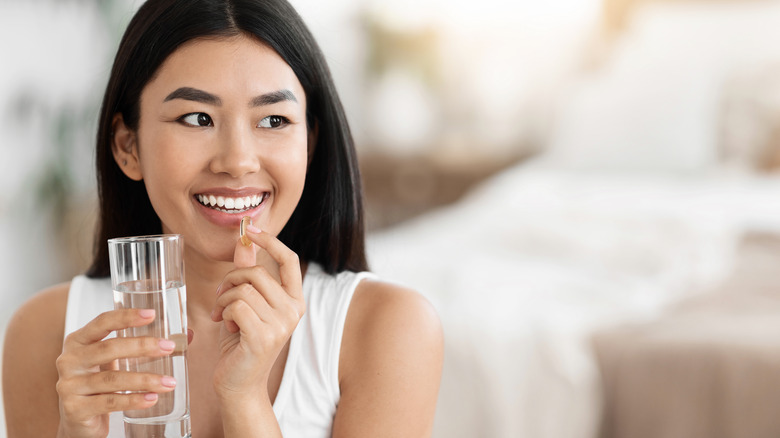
x=124 y=145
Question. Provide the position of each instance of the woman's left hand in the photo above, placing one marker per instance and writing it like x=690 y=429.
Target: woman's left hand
x=259 y=314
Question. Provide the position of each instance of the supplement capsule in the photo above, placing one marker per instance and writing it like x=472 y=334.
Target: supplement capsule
x=245 y=222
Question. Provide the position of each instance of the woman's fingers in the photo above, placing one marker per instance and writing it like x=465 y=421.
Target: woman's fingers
x=114 y=381
x=245 y=319
x=262 y=334
x=284 y=294
x=106 y=351
x=263 y=294
x=87 y=349
x=289 y=264
x=109 y=322
x=89 y=406
x=260 y=280
x=247 y=294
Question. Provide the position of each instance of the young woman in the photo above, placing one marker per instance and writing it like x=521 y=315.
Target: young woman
x=215 y=110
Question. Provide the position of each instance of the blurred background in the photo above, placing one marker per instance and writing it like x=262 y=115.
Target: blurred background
x=587 y=191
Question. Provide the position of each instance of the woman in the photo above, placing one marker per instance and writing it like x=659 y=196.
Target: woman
x=215 y=110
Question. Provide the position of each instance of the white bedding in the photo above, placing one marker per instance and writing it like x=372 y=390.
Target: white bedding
x=525 y=268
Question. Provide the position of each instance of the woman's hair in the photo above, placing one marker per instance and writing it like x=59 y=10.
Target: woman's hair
x=327 y=225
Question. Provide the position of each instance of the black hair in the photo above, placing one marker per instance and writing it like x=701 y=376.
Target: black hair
x=327 y=224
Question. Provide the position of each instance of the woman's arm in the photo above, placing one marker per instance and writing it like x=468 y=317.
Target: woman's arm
x=390 y=364
x=33 y=340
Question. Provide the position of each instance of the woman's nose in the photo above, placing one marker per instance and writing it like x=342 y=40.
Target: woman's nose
x=236 y=154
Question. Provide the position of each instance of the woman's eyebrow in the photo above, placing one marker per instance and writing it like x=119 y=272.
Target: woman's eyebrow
x=195 y=95
x=272 y=98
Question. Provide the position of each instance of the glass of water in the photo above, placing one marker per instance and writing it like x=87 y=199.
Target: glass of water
x=147 y=272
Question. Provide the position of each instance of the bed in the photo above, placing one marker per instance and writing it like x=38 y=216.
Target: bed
x=560 y=280
x=531 y=266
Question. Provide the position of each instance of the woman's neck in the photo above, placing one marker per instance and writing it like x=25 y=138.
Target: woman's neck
x=203 y=276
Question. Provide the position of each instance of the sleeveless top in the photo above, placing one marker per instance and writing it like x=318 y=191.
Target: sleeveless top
x=309 y=391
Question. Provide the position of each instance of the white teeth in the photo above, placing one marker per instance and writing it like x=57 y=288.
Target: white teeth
x=218 y=202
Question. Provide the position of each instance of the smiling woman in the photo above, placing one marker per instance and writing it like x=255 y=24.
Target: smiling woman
x=221 y=132
x=218 y=110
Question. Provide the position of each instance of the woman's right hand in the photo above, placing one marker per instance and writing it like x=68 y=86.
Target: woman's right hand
x=90 y=382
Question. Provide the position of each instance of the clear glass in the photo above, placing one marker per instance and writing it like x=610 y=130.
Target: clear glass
x=147 y=272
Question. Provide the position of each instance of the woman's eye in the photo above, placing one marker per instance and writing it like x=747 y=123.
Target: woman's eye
x=197 y=119
x=273 y=122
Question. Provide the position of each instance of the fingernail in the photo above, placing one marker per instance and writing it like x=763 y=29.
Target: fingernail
x=150 y=396
x=167 y=344
x=146 y=313
x=253 y=229
x=168 y=381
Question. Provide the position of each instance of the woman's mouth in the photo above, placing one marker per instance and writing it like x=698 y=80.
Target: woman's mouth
x=231 y=205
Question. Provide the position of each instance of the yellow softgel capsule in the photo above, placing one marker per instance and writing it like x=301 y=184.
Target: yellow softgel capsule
x=245 y=222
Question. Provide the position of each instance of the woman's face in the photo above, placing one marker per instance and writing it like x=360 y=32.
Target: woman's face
x=222 y=135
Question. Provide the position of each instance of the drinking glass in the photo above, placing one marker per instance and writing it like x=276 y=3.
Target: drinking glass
x=147 y=272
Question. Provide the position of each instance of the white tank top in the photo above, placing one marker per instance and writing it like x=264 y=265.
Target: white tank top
x=309 y=392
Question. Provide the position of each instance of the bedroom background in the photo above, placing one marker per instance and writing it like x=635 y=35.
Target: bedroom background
x=587 y=191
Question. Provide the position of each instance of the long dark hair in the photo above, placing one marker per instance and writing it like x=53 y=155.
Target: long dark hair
x=327 y=225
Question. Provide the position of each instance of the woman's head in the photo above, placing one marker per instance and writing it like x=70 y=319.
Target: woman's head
x=326 y=225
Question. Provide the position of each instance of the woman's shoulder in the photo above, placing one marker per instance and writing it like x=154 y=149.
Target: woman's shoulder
x=389 y=320
x=34 y=335
x=40 y=319
x=375 y=298
x=49 y=302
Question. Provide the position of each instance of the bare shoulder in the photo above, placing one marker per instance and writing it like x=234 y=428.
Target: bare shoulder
x=42 y=316
x=33 y=341
x=39 y=322
x=382 y=307
x=390 y=363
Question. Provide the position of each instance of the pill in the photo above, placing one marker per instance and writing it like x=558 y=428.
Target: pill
x=245 y=222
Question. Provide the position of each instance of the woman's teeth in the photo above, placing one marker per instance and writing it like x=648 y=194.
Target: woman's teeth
x=231 y=205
